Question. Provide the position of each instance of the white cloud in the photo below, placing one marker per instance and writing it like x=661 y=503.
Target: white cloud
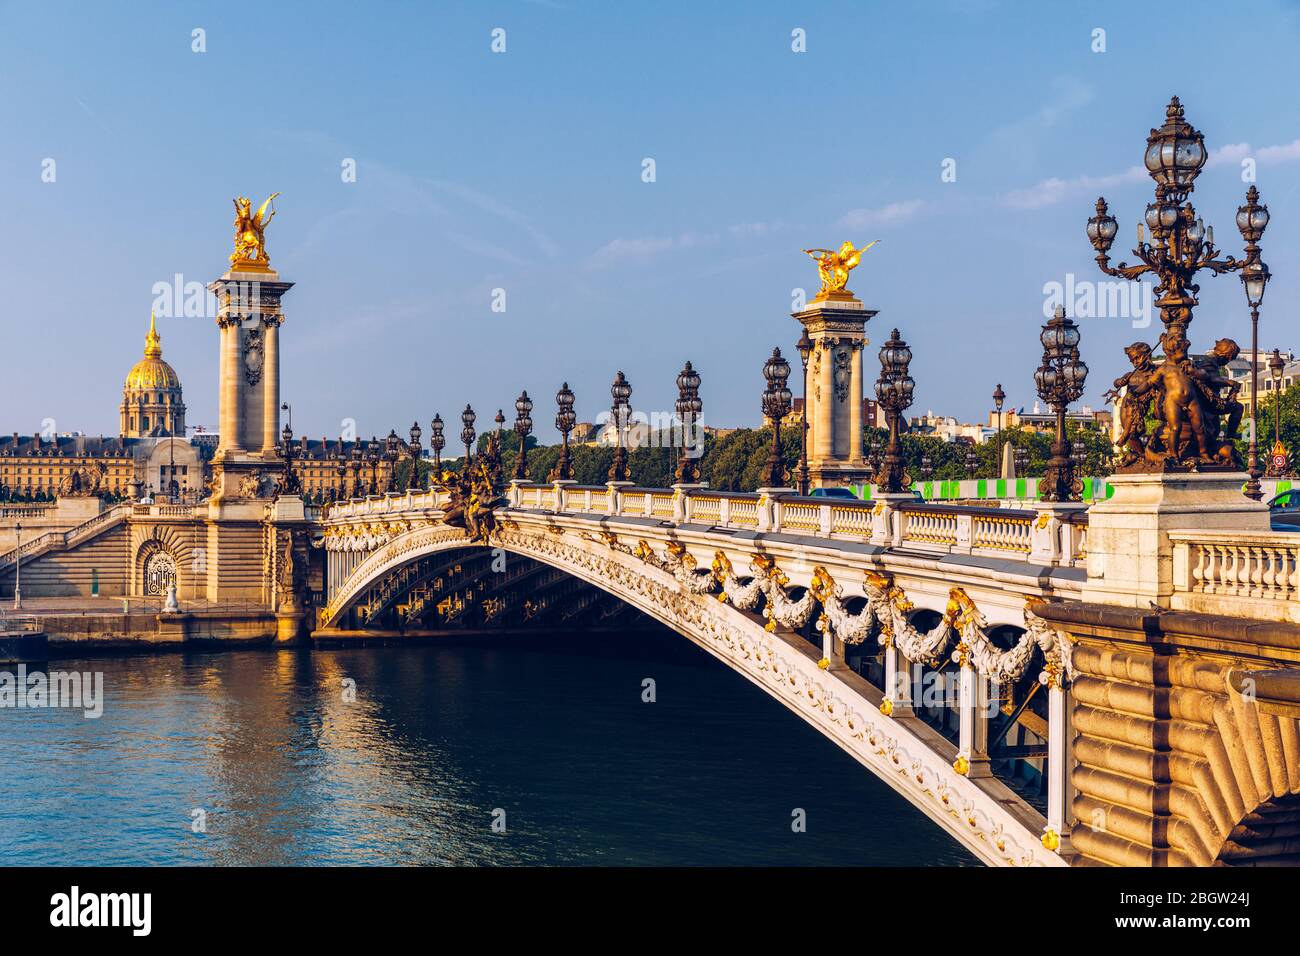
x=1049 y=192
x=893 y=214
x=644 y=249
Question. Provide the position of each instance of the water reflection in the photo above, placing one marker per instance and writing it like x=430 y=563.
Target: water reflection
x=550 y=729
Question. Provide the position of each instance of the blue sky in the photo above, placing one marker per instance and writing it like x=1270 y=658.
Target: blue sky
x=523 y=170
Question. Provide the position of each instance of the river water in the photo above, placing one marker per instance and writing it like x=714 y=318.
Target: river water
x=273 y=759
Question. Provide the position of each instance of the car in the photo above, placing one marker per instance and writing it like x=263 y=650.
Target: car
x=834 y=493
x=1284 y=510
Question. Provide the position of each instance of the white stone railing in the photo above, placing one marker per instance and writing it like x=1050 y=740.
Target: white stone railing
x=1045 y=537
x=65 y=539
x=1237 y=572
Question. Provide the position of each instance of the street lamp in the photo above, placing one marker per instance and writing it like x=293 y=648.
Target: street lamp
x=523 y=428
x=1277 y=365
x=1182 y=245
x=413 y=479
x=1060 y=381
x=18 y=567
x=374 y=456
x=776 y=405
x=1251 y=220
x=467 y=433
x=1022 y=460
x=972 y=463
x=1079 y=455
x=290 y=483
x=805 y=347
x=437 y=441
x=689 y=407
x=621 y=392
x=391 y=445
x=357 y=491
x=999 y=397
x=565 y=419
x=894 y=394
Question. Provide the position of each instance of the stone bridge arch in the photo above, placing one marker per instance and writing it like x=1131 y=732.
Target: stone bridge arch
x=836 y=701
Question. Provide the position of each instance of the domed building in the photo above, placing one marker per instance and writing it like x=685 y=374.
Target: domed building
x=151 y=399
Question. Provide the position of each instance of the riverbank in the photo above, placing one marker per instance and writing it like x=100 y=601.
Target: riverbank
x=75 y=626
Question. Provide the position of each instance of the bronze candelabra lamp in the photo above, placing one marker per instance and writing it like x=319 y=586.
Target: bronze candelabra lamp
x=776 y=405
x=689 y=407
x=1193 y=402
x=894 y=394
x=1059 y=380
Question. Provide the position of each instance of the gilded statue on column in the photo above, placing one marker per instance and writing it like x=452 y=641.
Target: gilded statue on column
x=250 y=232
x=834 y=266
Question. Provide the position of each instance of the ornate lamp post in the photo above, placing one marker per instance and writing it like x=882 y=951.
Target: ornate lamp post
x=357 y=491
x=1079 y=455
x=392 y=445
x=972 y=463
x=437 y=441
x=1182 y=245
x=1276 y=365
x=18 y=566
x=776 y=405
x=501 y=421
x=689 y=407
x=289 y=484
x=467 y=433
x=999 y=397
x=805 y=347
x=927 y=468
x=565 y=419
x=621 y=392
x=1060 y=381
x=413 y=480
x=375 y=457
x=894 y=394
x=1251 y=220
x=1022 y=460
x=523 y=428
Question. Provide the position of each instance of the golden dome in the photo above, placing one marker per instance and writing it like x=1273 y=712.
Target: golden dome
x=152 y=371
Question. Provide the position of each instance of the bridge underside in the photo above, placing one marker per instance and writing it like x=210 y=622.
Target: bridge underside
x=474 y=589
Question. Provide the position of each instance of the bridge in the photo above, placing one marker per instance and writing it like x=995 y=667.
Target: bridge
x=960 y=653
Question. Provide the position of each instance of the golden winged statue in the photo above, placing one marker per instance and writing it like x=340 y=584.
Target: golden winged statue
x=250 y=231
x=834 y=268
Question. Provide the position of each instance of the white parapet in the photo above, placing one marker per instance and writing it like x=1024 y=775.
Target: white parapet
x=1130 y=555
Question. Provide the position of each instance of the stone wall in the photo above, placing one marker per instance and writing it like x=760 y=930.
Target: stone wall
x=1186 y=739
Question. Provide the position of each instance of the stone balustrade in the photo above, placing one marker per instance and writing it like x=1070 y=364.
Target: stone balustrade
x=1253 y=573
x=1047 y=537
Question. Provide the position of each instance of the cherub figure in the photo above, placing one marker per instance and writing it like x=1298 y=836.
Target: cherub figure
x=1207 y=371
x=1135 y=402
x=1180 y=406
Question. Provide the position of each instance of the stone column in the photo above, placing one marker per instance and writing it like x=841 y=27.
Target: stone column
x=825 y=403
x=898 y=684
x=972 y=735
x=229 y=421
x=271 y=389
x=1057 y=833
x=855 y=411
